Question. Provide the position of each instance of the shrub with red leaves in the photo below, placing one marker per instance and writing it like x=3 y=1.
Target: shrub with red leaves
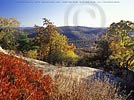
x=19 y=81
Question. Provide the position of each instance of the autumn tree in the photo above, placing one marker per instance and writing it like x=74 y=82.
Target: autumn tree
x=53 y=45
x=121 y=36
x=7 y=29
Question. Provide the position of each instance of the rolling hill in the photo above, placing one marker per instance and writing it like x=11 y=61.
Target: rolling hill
x=81 y=36
x=80 y=32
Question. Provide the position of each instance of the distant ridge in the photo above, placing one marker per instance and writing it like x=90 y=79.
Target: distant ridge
x=72 y=32
x=80 y=32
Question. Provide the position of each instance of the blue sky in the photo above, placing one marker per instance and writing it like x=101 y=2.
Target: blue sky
x=31 y=12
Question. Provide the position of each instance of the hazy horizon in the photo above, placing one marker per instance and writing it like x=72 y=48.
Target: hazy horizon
x=64 y=26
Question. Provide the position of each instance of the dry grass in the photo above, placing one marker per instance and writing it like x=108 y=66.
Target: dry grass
x=72 y=88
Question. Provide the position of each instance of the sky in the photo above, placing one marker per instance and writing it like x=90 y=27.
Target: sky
x=90 y=13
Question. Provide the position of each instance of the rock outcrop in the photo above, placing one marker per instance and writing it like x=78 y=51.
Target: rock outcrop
x=1 y=50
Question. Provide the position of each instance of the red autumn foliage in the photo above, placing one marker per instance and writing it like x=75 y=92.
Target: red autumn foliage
x=20 y=81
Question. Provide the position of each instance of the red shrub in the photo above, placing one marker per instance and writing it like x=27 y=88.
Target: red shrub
x=19 y=81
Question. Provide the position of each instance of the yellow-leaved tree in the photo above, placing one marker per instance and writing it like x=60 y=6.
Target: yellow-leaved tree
x=121 y=37
x=53 y=46
x=7 y=30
